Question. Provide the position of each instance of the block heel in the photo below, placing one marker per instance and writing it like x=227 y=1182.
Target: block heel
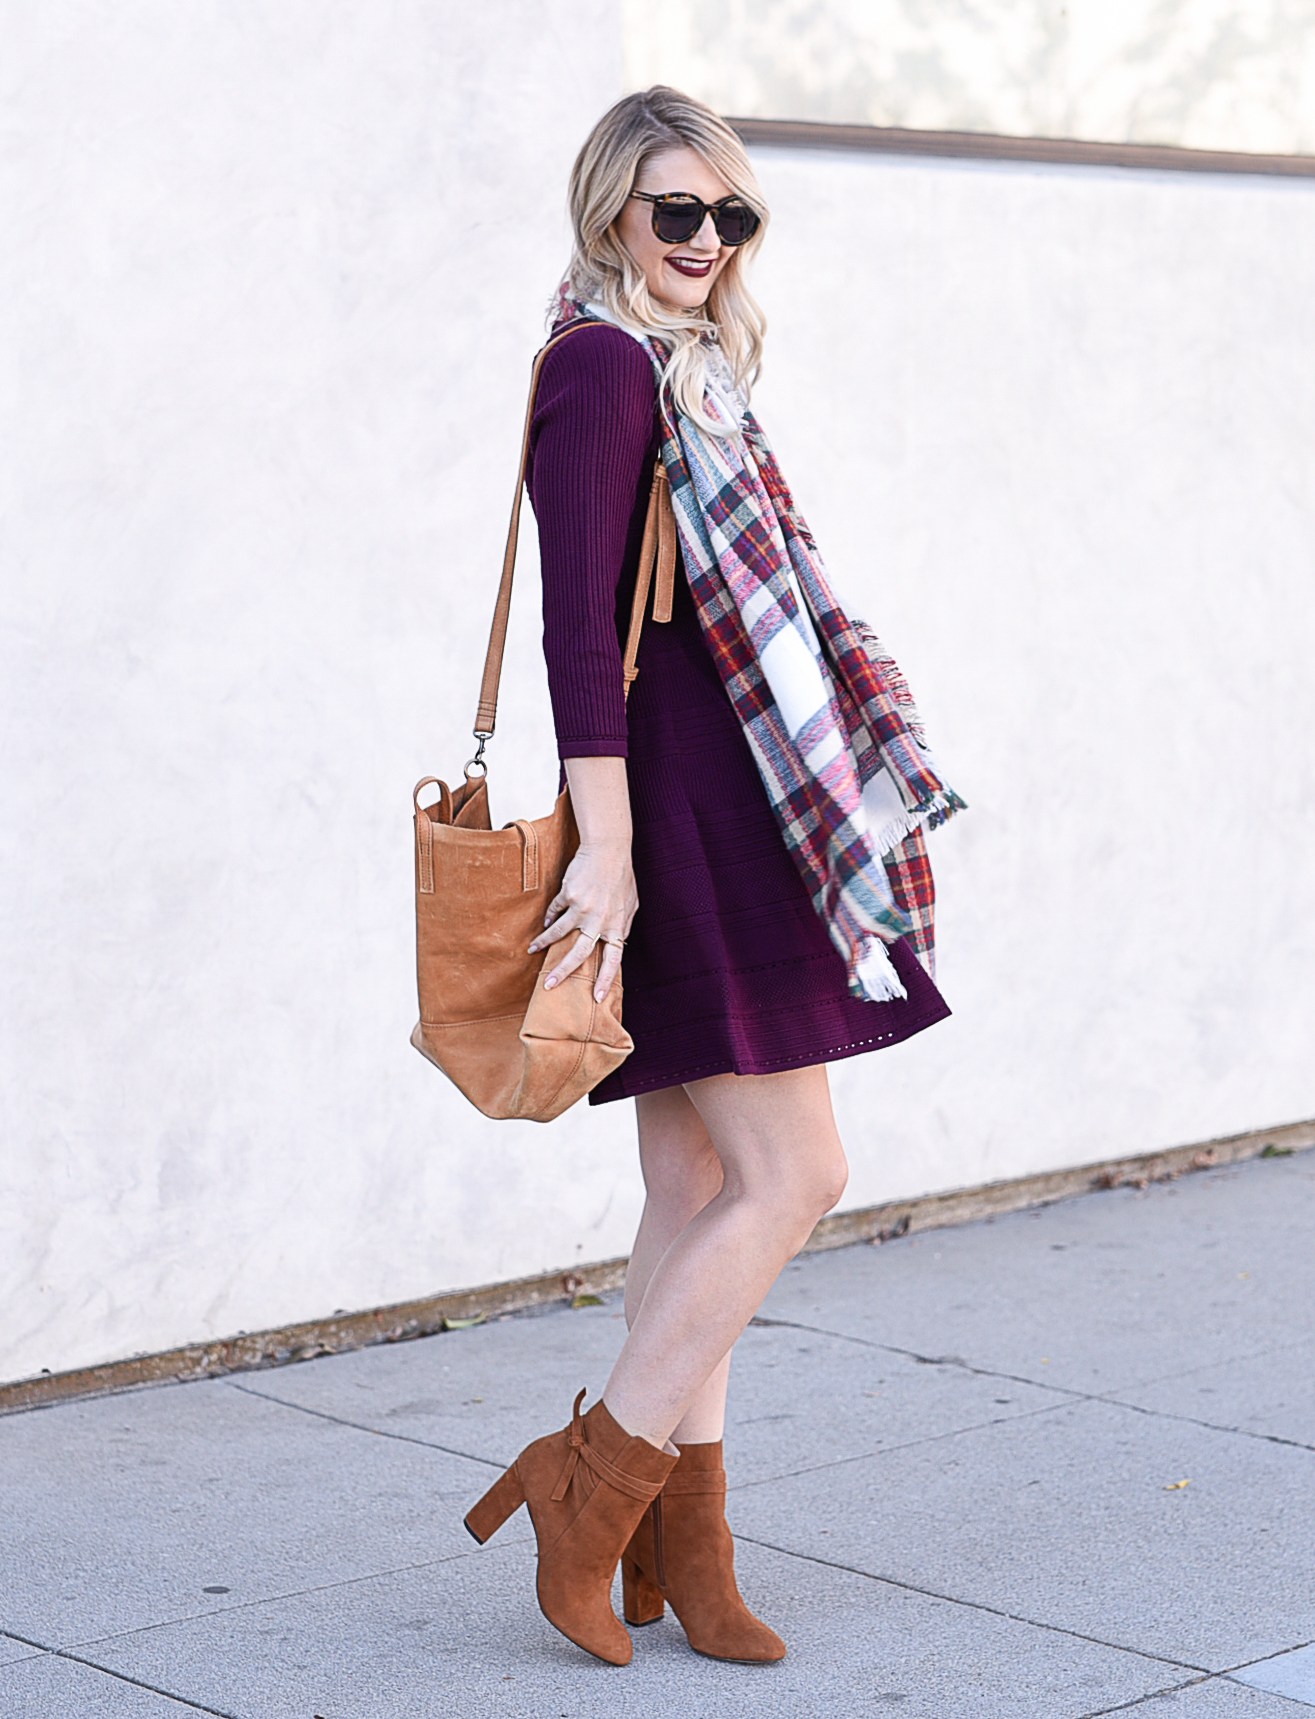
x=586 y=1487
x=641 y=1599
x=502 y=1500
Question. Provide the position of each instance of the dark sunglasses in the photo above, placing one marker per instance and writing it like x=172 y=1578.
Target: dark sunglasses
x=678 y=215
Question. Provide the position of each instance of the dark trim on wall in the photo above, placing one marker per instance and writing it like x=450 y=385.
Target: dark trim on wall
x=250 y=1351
x=987 y=146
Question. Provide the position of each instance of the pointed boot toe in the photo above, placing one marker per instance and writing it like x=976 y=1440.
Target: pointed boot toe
x=682 y=1554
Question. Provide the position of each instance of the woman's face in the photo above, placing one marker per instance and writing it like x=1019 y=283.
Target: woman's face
x=680 y=276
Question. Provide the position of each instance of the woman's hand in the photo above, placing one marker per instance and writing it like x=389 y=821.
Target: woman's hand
x=597 y=899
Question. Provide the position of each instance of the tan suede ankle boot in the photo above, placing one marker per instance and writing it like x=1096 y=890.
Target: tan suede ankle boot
x=682 y=1552
x=587 y=1487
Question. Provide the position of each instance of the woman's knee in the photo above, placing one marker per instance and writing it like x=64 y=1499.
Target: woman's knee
x=831 y=1181
x=791 y=1197
x=819 y=1186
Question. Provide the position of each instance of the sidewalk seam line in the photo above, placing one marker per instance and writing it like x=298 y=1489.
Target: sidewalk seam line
x=977 y=1606
x=1200 y=1682
x=1207 y=1426
x=1151 y=1695
x=890 y=1449
x=357 y=1426
x=7 y=1635
x=1067 y=1391
x=1264 y=1659
x=1229 y=1361
x=265 y=1600
x=122 y=1676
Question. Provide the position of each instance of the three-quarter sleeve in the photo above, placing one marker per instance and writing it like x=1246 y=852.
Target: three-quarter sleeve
x=592 y=442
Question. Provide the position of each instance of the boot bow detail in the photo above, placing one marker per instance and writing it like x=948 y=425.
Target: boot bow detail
x=630 y=1484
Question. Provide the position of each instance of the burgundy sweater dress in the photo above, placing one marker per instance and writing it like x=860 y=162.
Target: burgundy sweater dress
x=728 y=967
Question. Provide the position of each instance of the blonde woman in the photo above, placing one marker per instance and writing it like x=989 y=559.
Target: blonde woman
x=750 y=834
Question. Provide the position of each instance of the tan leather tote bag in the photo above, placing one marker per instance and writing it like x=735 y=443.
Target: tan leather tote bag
x=513 y=1048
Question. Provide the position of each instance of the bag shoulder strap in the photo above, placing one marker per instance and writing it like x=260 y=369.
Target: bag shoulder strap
x=659 y=547
x=657 y=550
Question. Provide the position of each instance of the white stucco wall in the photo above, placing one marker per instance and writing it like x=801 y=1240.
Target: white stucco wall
x=271 y=279
x=1060 y=447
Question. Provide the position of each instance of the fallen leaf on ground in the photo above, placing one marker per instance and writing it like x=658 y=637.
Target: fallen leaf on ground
x=463 y=1324
x=1177 y=1485
x=587 y=1301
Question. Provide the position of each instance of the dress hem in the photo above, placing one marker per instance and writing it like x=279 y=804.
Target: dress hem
x=764 y=1065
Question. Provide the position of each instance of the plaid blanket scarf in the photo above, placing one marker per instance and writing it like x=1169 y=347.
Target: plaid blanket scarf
x=827 y=714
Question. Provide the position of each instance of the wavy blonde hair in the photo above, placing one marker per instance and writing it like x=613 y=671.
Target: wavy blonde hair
x=602 y=269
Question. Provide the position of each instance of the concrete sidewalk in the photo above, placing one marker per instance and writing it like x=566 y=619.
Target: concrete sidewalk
x=1050 y=1466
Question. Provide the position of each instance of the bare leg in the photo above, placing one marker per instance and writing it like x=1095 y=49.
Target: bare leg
x=682 y=1172
x=782 y=1167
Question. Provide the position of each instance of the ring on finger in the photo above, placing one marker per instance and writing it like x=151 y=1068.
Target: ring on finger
x=615 y=942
